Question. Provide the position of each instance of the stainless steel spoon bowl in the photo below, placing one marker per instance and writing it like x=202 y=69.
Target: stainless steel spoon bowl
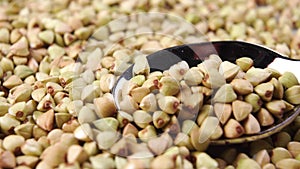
x=194 y=54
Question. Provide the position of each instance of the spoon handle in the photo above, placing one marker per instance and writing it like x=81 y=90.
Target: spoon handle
x=262 y=56
x=286 y=65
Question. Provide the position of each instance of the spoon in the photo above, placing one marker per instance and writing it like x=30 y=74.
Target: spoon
x=194 y=54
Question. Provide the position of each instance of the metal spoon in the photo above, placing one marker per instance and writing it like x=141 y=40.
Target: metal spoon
x=194 y=54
